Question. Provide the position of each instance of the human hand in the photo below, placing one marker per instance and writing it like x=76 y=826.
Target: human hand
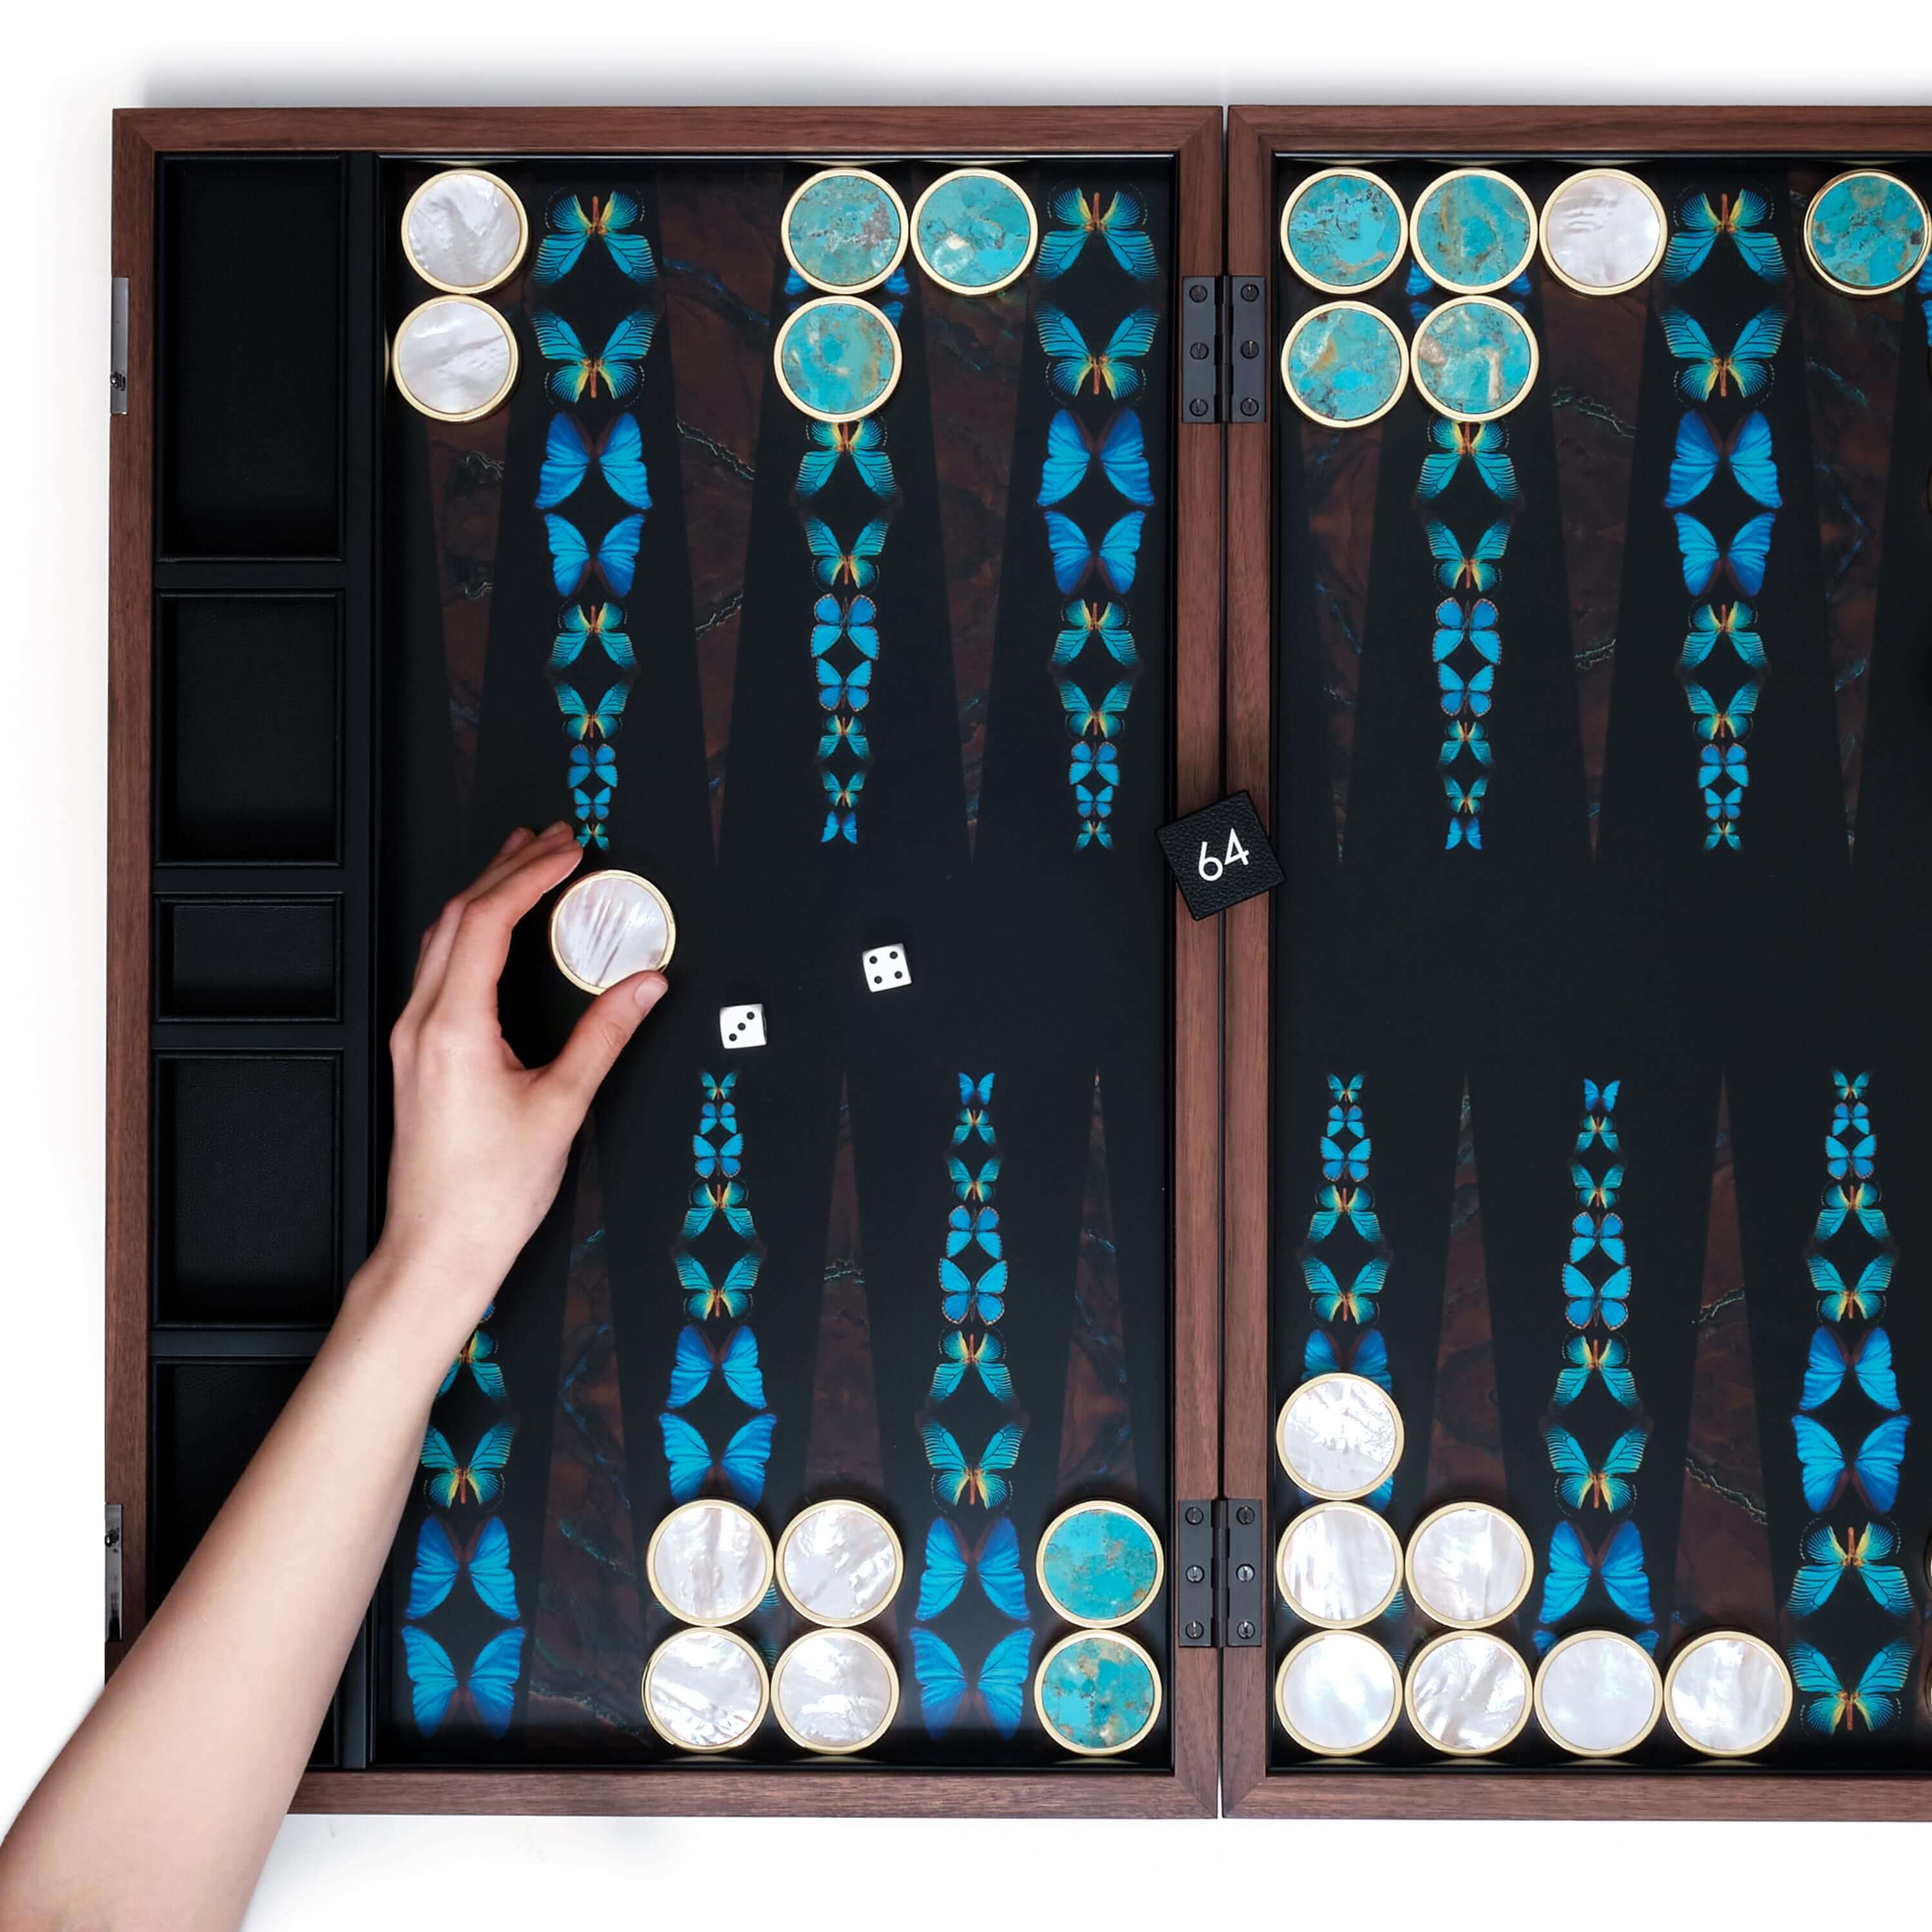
x=481 y=1140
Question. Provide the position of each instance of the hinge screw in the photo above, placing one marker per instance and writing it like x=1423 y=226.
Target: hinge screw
x=1199 y=407
x=1244 y=1630
x=1199 y=292
x=115 y=380
x=1196 y=1514
x=1246 y=1572
x=1251 y=291
x=1195 y=1574
x=1245 y=1513
x=1250 y=349
x=1199 y=351
x=1196 y=1629
x=1250 y=406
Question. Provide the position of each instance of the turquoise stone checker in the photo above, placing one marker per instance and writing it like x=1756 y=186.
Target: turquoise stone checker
x=1867 y=232
x=1099 y=1565
x=839 y=359
x=1345 y=232
x=1097 y=1694
x=1473 y=233
x=844 y=232
x=973 y=232
x=1346 y=365
x=1474 y=358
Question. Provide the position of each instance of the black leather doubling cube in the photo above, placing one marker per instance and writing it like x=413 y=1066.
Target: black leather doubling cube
x=1220 y=856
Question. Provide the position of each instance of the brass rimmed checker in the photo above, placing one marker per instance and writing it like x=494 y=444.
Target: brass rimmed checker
x=1597 y=1693
x=1111 y=1681
x=1346 y=1432
x=844 y=230
x=1867 y=233
x=1345 y=364
x=1344 y=230
x=1338 y=1565
x=839 y=1563
x=1473 y=230
x=1474 y=359
x=464 y=217
x=838 y=359
x=1603 y=231
x=1338 y=1693
x=1742 y=1671
x=963 y=231
x=1468 y=1693
x=608 y=924
x=859 y=1672
x=710 y=1562
x=454 y=359
x=1469 y=1566
x=705 y=1690
x=1099 y=1564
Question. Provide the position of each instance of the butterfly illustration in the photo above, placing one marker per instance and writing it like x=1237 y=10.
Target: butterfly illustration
x=1073 y=366
x=617 y=455
x=591 y=813
x=974 y=1227
x=1590 y=1233
x=710 y=1198
x=1346 y=1092
x=581 y=623
x=1741 y=217
x=475 y=1356
x=1586 y=1356
x=1086 y=622
x=1092 y=766
x=1001 y=1686
x=615 y=371
x=1086 y=717
x=1845 y=1157
x=585 y=722
x=439 y=1563
x=1093 y=828
x=973 y=1187
x=975 y=1097
x=1874 y=1699
x=1473 y=693
x=858 y=566
x=570 y=557
x=587 y=767
x=962 y=1300
x=724 y=1158
x=1850 y=1089
x=1586 y=1301
x=1745 y=368
x=984 y=1354
x=1477 y=626
x=705 y=1299
x=1466 y=806
x=1081 y=217
x=1580 y=1483
x=1743 y=559
x=996 y=1562
x=1844 y=1200
x=1599 y=1103
x=864 y=442
x=481 y=1479
x=741 y=1467
x=1733 y=622
x=1483 y=445
x=1722 y=812
x=1851 y=1117
x=855 y=620
x=1338 y=1201
x=1342 y=1117
x=1702 y=453
x=1115 y=559
x=1461 y=735
x=609 y=221
x=1594 y=1192
x=1866 y=1553
x=841 y=796
x=848 y=729
x=1340 y=1163
x=1825 y=1474
x=1357 y=1302
x=1618 y=1566
x=1723 y=764
x=852 y=690
x=1475 y=572
x=489 y=1690
x=1321 y=1356
x=956 y=1481
x=696 y=1362
x=1725 y=723
x=1120 y=449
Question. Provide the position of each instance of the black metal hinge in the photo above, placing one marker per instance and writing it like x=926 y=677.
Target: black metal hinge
x=113 y=1579
x=1220 y=1592
x=1224 y=349
x=117 y=347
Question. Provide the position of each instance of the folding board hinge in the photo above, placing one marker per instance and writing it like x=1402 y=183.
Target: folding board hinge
x=117 y=348
x=112 y=1555
x=1224 y=349
x=1201 y=348
x=1238 y=1536
x=1194 y=1577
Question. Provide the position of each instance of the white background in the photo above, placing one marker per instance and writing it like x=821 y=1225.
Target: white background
x=65 y=67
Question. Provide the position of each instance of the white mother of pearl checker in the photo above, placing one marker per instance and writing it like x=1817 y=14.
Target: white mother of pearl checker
x=1727 y=1694
x=835 y=1691
x=1468 y=1565
x=1597 y=1693
x=710 y=1562
x=1603 y=231
x=464 y=230
x=705 y=1690
x=1338 y=1693
x=1468 y=1694
x=839 y=1562
x=608 y=925
x=454 y=359
x=1338 y=1436
x=1338 y=1564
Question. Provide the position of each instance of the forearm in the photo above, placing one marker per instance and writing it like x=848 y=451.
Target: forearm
x=185 y=1766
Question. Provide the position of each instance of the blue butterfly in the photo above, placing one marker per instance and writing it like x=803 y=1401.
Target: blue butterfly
x=1618 y=1566
x=1341 y=1163
x=1357 y=1302
x=491 y=1689
x=1580 y=1483
x=724 y=1158
x=577 y=625
x=1474 y=693
x=1727 y=722
x=1874 y=1698
x=1084 y=623
x=996 y=1563
x=1001 y=1683
x=1700 y=226
x=1465 y=807
x=1702 y=453
x=1098 y=807
x=588 y=768
x=1464 y=734
x=591 y=813
x=984 y=1354
x=1601 y=1100
x=705 y=1299
x=841 y=816
x=1477 y=626
x=1121 y=225
x=1589 y=1301
x=1586 y=1356
x=852 y=689
x=1339 y=1201
x=1475 y=572
x=697 y=1361
x=608 y=221
x=848 y=729
x=1589 y=1234
x=1592 y=1193
x=1098 y=771
x=1844 y=1199
x=864 y=442
x=615 y=369
x=1116 y=558
x=970 y=1187
x=1744 y=559
x=480 y=1479
x=1073 y=365
x=956 y=1481
x=1119 y=448
x=1870 y=1363
x=1866 y=1552
x=742 y=1466
x=439 y=1564
x=571 y=558
x=1320 y=1356
x=962 y=1300
x=1732 y=623
x=1874 y=1468
x=1727 y=763
x=1087 y=718
x=857 y=566
x=1484 y=445
x=1842 y=1160
x=475 y=1356
x=619 y=455
x=710 y=1198
x=975 y=1097
x=855 y=620
x=1746 y=368
x=889 y=297
x=974 y=1227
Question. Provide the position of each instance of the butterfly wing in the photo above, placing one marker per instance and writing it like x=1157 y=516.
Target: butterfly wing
x=1371 y=1354
x=1620 y=1566
x=1123 y=457
x=1818 y=1575
x=1695 y=462
x=569 y=554
x=955 y=1291
x=445 y=1478
x=489 y=1573
x=994 y=1373
x=1749 y=551
x=617 y=554
x=1811 y=1671
x=631 y=253
x=1567 y=1576
x=1879 y=1682
x=742 y=1376
x=947 y=1461
x=1574 y=1475
x=1821 y=1462
x=566 y=456
x=1752 y=462
x=1071 y=553
x=746 y=1455
x=622 y=459
x=1873 y=1367
x=432 y=1678
x=690 y=1369
x=1000 y=1576
x=434 y=1576
x=1121 y=228
x=557 y=253
x=999 y=1457
x=946 y=1568
x=1758 y=341
x=1069 y=455
x=687 y=1453
x=1878 y=1459
x=1069 y=361
x=942 y=1683
x=1120 y=551
x=487 y=1464
x=1824 y=1370
x=1698 y=549
x=626 y=347
x=1002 y=1681
x=493 y=1680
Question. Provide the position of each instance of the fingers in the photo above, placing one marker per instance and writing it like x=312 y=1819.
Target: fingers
x=480 y=940
x=603 y=1033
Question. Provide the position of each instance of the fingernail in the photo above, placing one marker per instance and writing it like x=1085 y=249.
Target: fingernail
x=651 y=989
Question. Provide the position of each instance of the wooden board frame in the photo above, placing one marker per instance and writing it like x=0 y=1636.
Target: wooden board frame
x=1192 y=137
x=1256 y=136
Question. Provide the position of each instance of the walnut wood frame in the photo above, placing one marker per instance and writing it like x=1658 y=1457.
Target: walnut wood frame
x=1192 y=137
x=1256 y=136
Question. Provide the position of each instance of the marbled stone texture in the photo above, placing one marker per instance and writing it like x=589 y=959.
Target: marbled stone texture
x=838 y=358
x=1340 y=1690
x=832 y=1690
x=1602 y=231
x=704 y=1689
x=1474 y=358
x=1867 y=232
x=1468 y=1693
x=1599 y=1693
x=1344 y=232
x=1345 y=364
x=464 y=230
x=1097 y=1693
x=453 y=356
x=1100 y=1565
x=844 y=231
x=1474 y=231
x=973 y=231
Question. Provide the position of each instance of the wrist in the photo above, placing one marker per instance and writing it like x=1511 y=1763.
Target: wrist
x=416 y=1310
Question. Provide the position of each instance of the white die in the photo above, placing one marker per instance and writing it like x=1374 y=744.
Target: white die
x=887 y=967
x=741 y=1026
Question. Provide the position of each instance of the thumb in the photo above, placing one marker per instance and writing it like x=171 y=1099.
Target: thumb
x=602 y=1033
